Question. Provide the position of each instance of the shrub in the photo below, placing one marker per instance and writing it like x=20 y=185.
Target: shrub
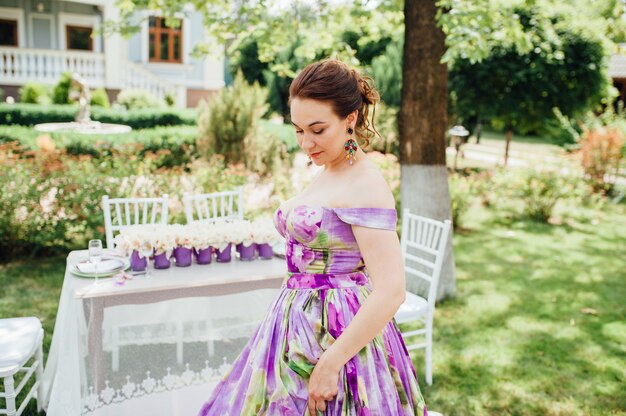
x=170 y=99
x=51 y=200
x=386 y=122
x=136 y=99
x=61 y=91
x=230 y=116
x=34 y=93
x=265 y=154
x=540 y=191
x=284 y=132
x=461 y=197
x=99 y=98
x=601 y=154
x=29 y=114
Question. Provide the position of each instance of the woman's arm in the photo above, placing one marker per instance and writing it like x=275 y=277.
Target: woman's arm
x=382 y=255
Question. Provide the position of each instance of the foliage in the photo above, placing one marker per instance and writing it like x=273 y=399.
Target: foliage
x=172 y=146
x=601 y=150
x=229 y=117
x=246 y=59
x=278 y=82
x=529 y=193
x=170 y=99
x=137 y=99
x=265 y=154
x=29 y=114
x=386 y=69
x=61 y=91
x=461 y=197
x=34 y=93
x=386 y=122
x=99 y=98
x=51 y=199
x=566 y=69
x=540 y=191
x=284 y=132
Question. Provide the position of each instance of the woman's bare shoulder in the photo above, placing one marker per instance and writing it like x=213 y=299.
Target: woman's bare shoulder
x=370 y=189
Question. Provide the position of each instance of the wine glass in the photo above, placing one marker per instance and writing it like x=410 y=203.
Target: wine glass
x=145 y=250
x=95 y=255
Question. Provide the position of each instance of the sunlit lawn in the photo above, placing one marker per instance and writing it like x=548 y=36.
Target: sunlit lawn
x=538 y=324
x=537 y=328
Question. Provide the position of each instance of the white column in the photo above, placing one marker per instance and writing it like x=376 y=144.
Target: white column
x=114 y=49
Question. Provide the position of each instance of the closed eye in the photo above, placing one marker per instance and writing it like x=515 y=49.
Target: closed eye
x=319 y=132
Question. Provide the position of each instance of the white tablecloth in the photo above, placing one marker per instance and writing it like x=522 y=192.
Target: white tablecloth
x=153 y=346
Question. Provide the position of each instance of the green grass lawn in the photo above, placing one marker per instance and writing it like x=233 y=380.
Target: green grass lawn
x=537 y=327
x=538 y=324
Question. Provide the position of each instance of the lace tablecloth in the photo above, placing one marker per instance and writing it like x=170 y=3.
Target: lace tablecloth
x=153 y=346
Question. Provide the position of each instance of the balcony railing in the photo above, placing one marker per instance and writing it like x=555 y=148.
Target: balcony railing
x=20 y=65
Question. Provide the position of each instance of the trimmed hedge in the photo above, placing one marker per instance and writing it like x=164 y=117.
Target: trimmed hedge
x=31 y=114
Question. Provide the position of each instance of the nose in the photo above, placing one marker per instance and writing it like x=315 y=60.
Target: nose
x=307 y=143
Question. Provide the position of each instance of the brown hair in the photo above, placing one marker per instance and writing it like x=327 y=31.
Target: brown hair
x=333 y=81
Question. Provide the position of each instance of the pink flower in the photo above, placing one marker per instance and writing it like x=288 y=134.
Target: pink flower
x=306 y=221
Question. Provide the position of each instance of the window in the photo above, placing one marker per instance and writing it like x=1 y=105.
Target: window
x=8 y=32
x=79 y=37
x=165 y=42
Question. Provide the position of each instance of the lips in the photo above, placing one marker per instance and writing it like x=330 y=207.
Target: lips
x=315 y=154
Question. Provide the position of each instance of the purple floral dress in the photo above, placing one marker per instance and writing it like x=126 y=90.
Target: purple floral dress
x=325 y=286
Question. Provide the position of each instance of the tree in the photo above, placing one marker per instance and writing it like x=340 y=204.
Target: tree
x=565 y=69
x=422 y=124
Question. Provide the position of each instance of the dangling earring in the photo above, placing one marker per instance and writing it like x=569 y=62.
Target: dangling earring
x=350 y=147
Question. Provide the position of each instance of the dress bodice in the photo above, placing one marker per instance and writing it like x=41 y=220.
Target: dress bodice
x=320 y=240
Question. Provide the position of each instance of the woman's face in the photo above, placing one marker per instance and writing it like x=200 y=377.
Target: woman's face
x=321 y=133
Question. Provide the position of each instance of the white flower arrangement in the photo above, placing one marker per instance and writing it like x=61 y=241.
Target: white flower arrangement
x=241 y=232
x=131 y=238
x=265 y=232
x=220 y=232
x=164 y=238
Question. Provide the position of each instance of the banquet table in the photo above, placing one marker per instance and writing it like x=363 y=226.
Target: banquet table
x=155 y=345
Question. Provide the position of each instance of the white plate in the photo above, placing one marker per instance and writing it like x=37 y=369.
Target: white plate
x=112 y=265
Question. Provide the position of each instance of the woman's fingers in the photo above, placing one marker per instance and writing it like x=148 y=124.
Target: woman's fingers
x=321 y=405
x=316 y=405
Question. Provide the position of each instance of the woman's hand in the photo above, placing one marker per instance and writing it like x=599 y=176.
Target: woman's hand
x=323 y=385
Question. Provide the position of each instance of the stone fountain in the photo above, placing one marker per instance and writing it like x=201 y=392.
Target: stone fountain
x=83 y=122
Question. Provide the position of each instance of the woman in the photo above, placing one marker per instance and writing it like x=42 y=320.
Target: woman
x=329 y=344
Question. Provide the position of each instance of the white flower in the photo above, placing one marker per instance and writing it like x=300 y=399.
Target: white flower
x=265 y=232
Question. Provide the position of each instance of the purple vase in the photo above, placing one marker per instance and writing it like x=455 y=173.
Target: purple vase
x=204 y=255
x=137 y=263
x=238 y=247
x=223 y=256
x=182 y=256
x=266 y=252
x=246 y=253
x=161 y=261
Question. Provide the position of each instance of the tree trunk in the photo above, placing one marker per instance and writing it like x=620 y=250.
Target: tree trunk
x=422 y=123
x=478 y=129
x=509 y=134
